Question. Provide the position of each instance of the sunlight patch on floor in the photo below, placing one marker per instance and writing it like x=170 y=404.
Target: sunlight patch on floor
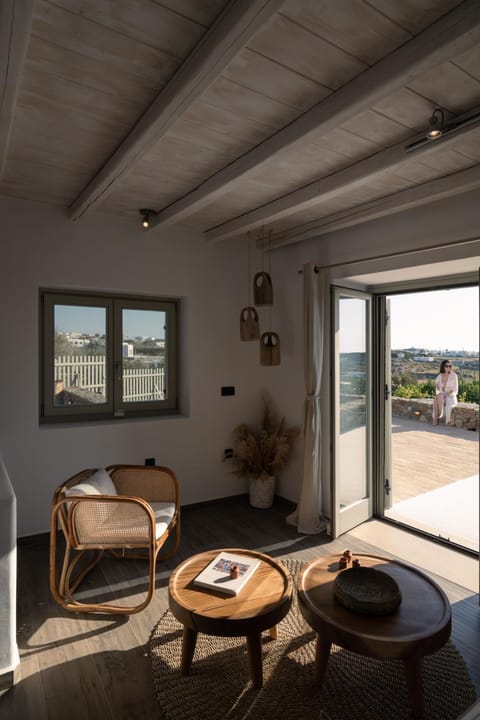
x=425 y=554
x=450 y=512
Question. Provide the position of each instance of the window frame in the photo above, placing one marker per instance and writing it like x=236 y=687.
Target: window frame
x=114 y=407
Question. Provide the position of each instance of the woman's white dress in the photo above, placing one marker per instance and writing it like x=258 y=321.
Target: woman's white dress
x=446 y=389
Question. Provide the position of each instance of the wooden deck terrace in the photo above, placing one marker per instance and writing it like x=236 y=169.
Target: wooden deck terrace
x=426 y=457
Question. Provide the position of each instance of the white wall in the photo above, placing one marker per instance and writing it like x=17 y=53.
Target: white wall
x=406 y=239
x=443 y=230
x=40 y=247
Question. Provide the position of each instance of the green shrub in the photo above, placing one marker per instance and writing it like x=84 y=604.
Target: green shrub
x=467 y=390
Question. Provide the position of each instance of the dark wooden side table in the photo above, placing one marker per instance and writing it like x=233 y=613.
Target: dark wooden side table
x=420 y=626
x=261 y=604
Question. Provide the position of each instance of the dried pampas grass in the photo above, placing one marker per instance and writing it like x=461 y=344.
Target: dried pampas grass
x=263 y=451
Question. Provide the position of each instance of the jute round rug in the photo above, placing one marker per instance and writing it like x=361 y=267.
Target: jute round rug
x=355 y=687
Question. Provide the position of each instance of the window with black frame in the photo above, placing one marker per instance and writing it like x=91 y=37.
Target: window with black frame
x=105 y=356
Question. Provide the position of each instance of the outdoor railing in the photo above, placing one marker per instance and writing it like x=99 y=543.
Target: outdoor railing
x=143 y=384
x=88 y=372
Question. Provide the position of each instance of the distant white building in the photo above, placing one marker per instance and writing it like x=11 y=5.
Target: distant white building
x=127 y=350
x=79 y=342
x=424 y=358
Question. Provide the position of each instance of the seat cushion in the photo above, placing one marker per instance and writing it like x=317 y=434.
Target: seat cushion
x=164 y=512
x=100 y=483
x=110 y=522
x=119 y=522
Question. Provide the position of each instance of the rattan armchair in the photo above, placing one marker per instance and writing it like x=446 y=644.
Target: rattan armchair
x=131 y=512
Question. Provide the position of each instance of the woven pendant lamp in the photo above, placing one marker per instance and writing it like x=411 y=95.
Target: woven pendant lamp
x=270 y=348
x=249 y=327
x=262 y=289
x=262 y=282
x=269 y=341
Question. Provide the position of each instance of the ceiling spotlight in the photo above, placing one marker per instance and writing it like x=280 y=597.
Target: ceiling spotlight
x=439 y=129
x=436 y=125
x=146 y=217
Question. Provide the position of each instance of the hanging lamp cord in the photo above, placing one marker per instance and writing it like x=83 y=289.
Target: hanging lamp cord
x=249 y=269
x=270 y=275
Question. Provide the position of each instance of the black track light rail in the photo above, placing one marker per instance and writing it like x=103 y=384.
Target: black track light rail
x=451 y=126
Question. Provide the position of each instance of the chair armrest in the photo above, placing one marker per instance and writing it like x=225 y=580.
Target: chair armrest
x=108 y=521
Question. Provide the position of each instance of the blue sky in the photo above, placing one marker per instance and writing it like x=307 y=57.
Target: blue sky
x=91 y=320
x=435 y=320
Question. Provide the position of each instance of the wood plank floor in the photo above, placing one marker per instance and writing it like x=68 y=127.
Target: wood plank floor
x=79 y=666
x=426 y=457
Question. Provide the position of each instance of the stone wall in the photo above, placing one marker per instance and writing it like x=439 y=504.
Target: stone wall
x=464 y=415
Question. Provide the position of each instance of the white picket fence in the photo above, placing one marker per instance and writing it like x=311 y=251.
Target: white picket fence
x=143 y=384
x=88 y=372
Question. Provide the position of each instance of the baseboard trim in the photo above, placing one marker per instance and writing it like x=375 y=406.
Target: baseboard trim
x=9 y=679
x=279 y=501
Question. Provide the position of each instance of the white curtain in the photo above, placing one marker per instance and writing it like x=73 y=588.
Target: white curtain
x=308 y=515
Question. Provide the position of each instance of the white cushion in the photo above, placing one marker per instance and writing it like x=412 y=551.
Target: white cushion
x=164 y=512
x=100 y=483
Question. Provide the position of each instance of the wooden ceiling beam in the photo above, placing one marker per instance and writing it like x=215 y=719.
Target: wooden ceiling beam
x=338 y=183
x=15 y=26
x=451 y=35
x=231 y=31
x=431 y=191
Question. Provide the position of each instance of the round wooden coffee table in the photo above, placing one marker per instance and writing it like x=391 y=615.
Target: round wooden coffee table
x=420 y=626
x=260 y=605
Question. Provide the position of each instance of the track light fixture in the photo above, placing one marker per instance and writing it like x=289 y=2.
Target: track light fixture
x=436 y=125
x=438 y=128
x=146 y=217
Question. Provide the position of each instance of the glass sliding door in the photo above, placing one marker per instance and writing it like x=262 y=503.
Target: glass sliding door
x=352 y=409
x=431 y=469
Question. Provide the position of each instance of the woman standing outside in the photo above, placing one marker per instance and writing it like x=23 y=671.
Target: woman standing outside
x=446 y=389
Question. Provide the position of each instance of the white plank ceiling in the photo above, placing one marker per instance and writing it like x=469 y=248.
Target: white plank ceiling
x=282 y=118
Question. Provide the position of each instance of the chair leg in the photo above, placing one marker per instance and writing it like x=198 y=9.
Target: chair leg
x=68 y=602
x=70 y=578
x=63 y=574
x=72 y=585
x=58 y=591
x=176 y=543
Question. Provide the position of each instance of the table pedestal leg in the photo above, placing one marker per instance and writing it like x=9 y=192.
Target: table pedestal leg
x=254 y=645
x=273 y=632
x=322 y=653
x=414 y=686
x=188 y=648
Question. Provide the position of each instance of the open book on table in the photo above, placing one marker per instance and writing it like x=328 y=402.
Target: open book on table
x=217 y=574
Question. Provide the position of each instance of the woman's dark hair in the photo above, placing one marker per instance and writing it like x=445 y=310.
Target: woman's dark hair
x=442 y=365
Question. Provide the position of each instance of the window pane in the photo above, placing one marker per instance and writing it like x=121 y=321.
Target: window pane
x=107 y=356
x=353 y=378
x=144 y=354
x=79 y=355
